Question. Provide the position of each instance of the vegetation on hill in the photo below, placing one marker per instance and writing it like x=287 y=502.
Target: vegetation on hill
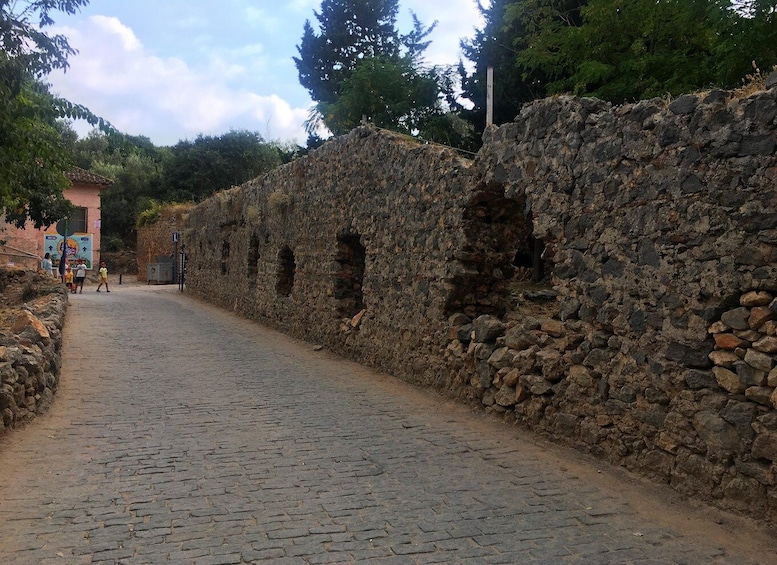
x=145 y=175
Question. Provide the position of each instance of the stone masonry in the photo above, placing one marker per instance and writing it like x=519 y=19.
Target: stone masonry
x=30 y=344
x=604 y=275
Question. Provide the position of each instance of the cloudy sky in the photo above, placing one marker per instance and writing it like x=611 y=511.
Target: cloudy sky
x=172 y=69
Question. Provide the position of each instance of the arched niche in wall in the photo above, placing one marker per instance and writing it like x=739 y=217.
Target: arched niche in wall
x=349 y=278
x=224 y=257
x=286 y=268
x=499 y=252
x=253 y=257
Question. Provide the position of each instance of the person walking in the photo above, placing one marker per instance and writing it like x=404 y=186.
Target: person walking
x=70 y=280
x=103 y=277
x=80 y=276
x=47 y=265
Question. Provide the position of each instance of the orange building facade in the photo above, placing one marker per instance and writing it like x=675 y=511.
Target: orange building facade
x=26 y=247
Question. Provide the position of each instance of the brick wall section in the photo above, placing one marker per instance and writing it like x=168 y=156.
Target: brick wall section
x=157 y=238
x=657 y=225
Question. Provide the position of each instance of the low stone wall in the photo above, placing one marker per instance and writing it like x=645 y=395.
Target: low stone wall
x=30 y=349
x=599 y=274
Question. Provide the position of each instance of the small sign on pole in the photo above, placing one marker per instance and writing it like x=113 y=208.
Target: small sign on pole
x=175 y=237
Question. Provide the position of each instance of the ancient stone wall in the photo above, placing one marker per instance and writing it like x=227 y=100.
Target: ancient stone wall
x=652 y=344
x=350 y=247
x=30 y=344
x=604 y=275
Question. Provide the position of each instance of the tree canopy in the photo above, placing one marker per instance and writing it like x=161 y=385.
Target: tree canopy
x=196 y=169
x=359 y=65
x=189 y=171
x=350 y=30
x=616 y=50
x=33 y=159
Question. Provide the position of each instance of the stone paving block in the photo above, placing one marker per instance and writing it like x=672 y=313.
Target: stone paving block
x=205 y=438
x=230 y=559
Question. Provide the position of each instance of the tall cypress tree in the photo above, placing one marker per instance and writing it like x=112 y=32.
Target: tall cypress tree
x=358 y=64
x=350 y=30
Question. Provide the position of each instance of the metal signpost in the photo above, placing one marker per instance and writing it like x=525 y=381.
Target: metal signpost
x=183 y=267
x=175 y=256
x=63 y=229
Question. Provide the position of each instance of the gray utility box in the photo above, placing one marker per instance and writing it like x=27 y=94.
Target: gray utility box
x=160 y=272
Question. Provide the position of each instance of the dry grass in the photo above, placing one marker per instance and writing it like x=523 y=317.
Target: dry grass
x=252 y=213
x=280 y=201
x=752 y=83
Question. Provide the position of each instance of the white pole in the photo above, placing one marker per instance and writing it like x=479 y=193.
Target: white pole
x=489 y=96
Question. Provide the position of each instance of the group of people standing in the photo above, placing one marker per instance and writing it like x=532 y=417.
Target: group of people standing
x=75 y=280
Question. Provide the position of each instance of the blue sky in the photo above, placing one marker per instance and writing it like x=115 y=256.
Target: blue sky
x=172 y=69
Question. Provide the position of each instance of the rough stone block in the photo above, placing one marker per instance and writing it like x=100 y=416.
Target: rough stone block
x=719 y=435
x=696 y=357
x=488 y=328
x=501 y=357
x=511 y=378
x=767 y=344
x=697 y=379
x=729 y=380
x=506 y=396
x=758 y=360
x=765 y=446
x=760 y=315
x=519 y=338
x=553 y=328
x=749 y=375
x=28 y=324
x=729 y=341
x=535 y=384
x=760 y=394
x=736 y=318
x=724 y=358
x=756 y=298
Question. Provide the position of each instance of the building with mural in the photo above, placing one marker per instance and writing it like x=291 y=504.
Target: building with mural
x=26 y=247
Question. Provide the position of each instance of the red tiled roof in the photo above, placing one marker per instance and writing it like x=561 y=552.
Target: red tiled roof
x=83 y=176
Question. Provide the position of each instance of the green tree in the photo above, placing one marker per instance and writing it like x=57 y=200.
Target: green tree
x=33 y=156
x=749 y=34
x=196 y=169
x=33 y=159
x=135 y=182
x=135 y=166
x=390 y=93
x=350 y=30
x=623 y=50
x=359 y=65
x=497 y=45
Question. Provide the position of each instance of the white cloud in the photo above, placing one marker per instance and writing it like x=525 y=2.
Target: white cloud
x=165 y=98
x=183 y=72
x=114 y=27
x=261 y=18
x=454 y=22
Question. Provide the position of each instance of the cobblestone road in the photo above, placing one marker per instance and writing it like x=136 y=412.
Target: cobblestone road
x=183 y=434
